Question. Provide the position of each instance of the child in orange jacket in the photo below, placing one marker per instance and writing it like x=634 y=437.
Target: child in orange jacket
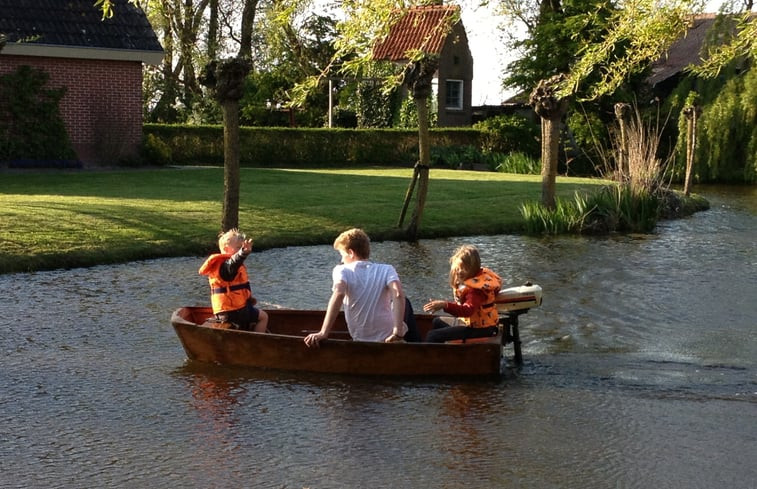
x=230 y=292
x=474 y=311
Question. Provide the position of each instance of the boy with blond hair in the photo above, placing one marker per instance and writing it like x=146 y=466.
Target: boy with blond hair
x=230 y=292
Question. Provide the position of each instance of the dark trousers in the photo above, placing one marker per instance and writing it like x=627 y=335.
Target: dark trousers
x=442 y=331
x=243 y=319
x=412 y=334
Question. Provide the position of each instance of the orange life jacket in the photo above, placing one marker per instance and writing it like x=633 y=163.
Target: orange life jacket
x=226 y=296
x=486 y=315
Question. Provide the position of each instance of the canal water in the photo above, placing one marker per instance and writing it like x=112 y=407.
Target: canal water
x=640 y=372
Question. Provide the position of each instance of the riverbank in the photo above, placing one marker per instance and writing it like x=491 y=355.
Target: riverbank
x=66 y=219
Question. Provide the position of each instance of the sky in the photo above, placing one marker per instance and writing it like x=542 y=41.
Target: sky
x=486 y=42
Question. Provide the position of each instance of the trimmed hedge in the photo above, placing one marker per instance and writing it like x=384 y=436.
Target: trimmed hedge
x=296 y=147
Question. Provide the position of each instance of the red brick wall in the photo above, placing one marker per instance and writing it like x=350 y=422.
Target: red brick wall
x=102 y=108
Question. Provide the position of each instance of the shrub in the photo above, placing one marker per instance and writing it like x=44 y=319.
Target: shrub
x=510 y=134
x=516 y=163
x=30 y=123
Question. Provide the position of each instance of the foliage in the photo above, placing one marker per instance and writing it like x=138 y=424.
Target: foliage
x=740 y=43
x=295 y=44
x=156 y=151
x=727 y=149
x=588 y=134
x=31 y=126
x=297 y=147
x=516 y=163
x=638 y=34
x=407 y=116
x=510 y=133
x=615 y=208
x=374 y=107
x=565 y=217
x=458 y=157
x=555 y=39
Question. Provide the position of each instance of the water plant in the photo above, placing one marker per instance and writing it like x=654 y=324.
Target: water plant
x=631 y=204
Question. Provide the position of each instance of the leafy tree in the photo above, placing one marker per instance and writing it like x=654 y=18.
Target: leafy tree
x=364 y=24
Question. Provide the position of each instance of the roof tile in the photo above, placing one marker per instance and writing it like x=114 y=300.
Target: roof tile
x=423 y=28
x=77 y=23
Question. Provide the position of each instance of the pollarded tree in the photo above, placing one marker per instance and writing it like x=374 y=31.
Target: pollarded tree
x=225 y=78
x=632 y=37
x=366 y=23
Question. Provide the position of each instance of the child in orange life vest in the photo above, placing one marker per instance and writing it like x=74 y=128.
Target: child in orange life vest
x=475 y=288
x=230 y=293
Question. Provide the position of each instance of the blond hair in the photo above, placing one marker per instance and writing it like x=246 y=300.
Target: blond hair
x=232 y=235
x=464 y=264
x=354 y=239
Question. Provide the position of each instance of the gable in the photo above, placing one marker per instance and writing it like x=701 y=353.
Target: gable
x=421 y=28
x=76 y=29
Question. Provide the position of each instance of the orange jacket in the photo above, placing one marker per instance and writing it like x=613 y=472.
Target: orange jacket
x=226 y=296
x=488 y=282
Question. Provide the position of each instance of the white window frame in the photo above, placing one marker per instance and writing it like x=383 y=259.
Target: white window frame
x=460 y=99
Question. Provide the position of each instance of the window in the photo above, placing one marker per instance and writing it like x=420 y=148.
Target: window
x=453 y=98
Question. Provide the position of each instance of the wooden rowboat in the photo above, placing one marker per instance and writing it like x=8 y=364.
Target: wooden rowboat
x=284 y=349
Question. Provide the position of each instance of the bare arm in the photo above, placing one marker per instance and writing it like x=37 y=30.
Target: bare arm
x=400 y=328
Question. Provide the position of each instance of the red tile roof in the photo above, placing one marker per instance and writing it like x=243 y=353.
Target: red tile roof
x=423 y=28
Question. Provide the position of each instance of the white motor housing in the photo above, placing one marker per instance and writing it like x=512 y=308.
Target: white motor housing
x=522 y=297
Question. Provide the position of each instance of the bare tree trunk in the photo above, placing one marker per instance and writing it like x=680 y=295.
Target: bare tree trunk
x=226 y=80
x=230 y=218
x=248 y=20
x=551 y=109
x=418 y=78
x=213 y=30
x=624 y=170
x=692 y=114
x=422 y=167
x=550 y=144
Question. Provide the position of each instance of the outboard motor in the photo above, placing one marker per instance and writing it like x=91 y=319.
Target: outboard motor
x=511 y=303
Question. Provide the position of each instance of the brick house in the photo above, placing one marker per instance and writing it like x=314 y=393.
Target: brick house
x=436 y=29
x=99 y=62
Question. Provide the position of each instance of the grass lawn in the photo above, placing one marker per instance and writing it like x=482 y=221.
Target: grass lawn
x=65 y=219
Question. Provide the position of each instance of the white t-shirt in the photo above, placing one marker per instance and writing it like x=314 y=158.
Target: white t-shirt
x=368 y=298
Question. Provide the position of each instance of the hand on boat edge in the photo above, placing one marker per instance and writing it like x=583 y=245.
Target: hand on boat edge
x=314 y=339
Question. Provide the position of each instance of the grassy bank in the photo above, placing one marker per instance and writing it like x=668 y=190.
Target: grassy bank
x=70 y=219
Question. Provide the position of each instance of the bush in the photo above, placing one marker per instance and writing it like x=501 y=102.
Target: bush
x=298 y=147
x=506 y=134
x=517 y=163
x=31 y=127
x=156 y=151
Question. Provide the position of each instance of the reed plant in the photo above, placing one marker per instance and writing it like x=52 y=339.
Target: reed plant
x=631 y=203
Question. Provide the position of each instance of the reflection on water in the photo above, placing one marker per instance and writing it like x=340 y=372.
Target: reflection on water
x=639 y=372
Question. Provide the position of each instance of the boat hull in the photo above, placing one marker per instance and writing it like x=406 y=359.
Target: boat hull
x=284 y=348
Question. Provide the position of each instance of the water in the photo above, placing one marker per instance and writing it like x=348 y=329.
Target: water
x=639 y=372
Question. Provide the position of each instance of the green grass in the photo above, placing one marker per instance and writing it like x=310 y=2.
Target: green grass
x=69 y=219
